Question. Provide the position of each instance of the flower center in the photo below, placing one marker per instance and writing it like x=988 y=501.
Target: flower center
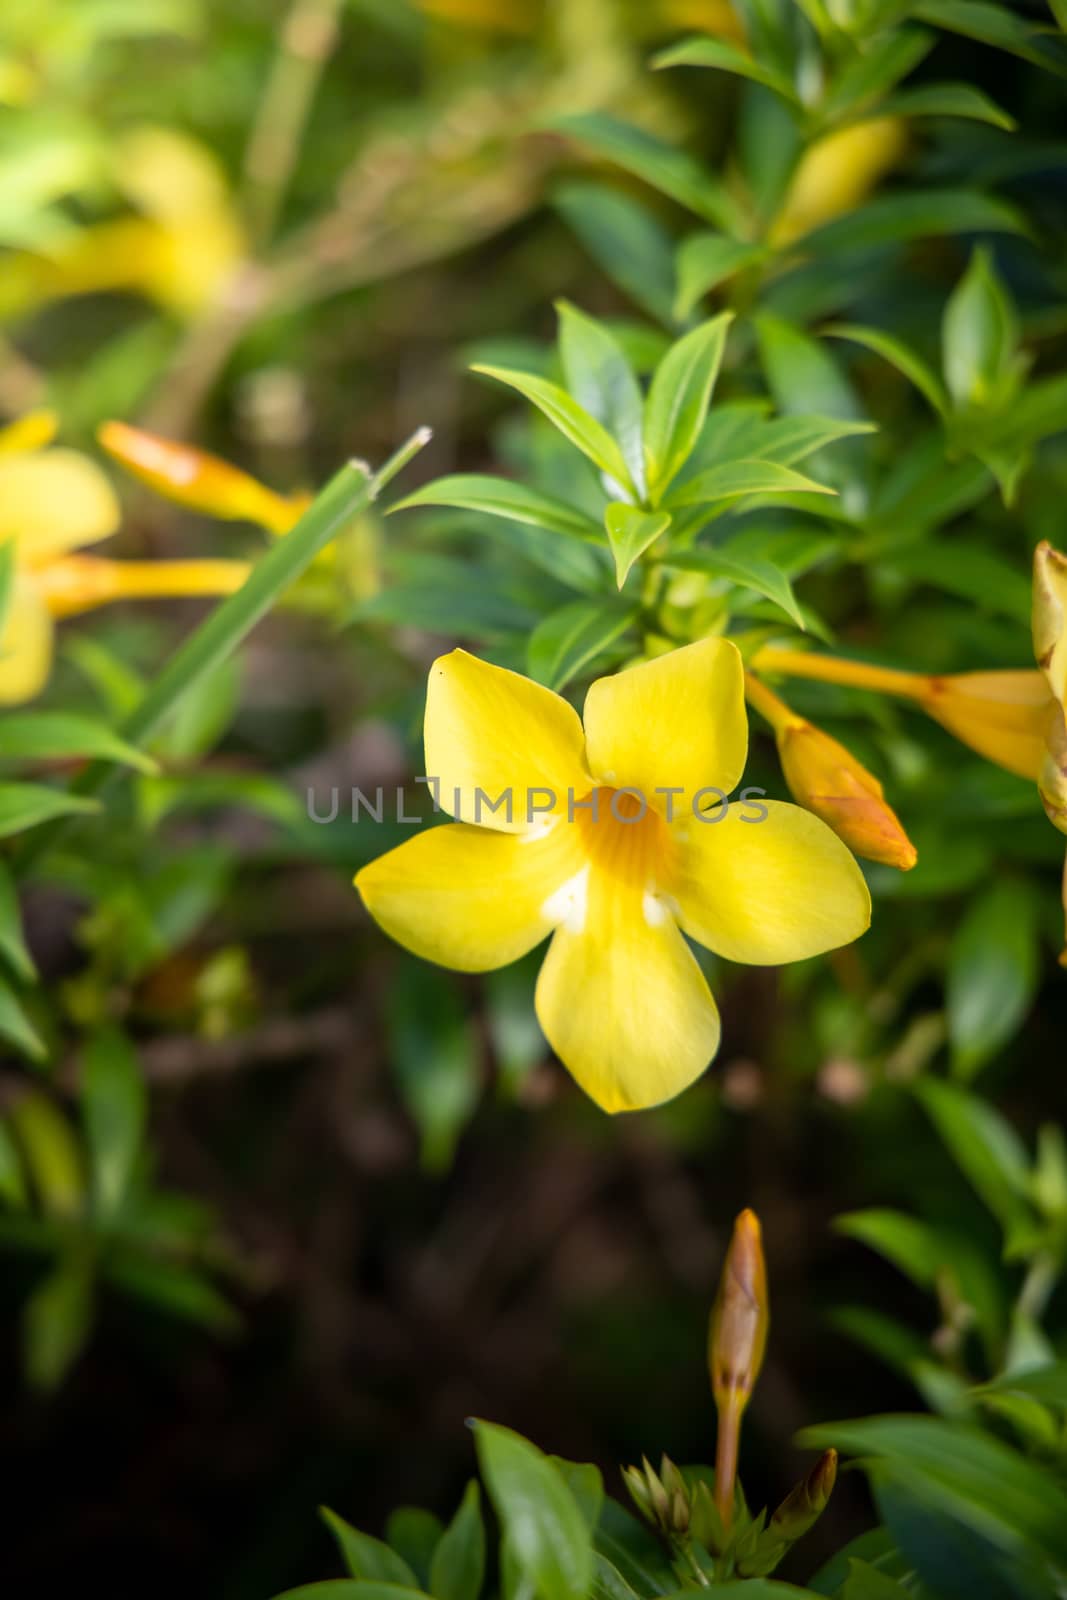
x=622 y=835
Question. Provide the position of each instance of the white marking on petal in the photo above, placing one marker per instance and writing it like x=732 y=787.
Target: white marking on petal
x=567 y=905
x=539 y=829
x=655 y=909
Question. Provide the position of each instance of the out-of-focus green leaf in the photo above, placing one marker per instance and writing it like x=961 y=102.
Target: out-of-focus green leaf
x=572 y=420
x=626 y=240
x=600 y=378
x=893 y=219
x=726 y=57
x=12 y=1179
x=947 y=100
x=992 y=973
x=57 y=1320
x=435 y=1056
x=1047 y=1383
x=16 y=1027
x=950 y=1548
x=61 y=735
x=909 y=1243
x=867 y=1583
x=114 y=1105
x=458 y=1569
x=731 y=479
x=26 y=805
x=568 y=640
x=175 y=1289
x=869 y=75
x=663 y=166
x=996 y=25
x=366 y=1557
x=678 y=400
x=707 y=259
x=985 y=1147
x=414 y=1534
x=801 y=374
x=979 y=335
x=893 y=350
x=630 y=532
x=876 y=1549
x=501 y=497
x=546 y=1533
x=970 y=572
x=204 y=715
x=12 y=944
x=749 y=571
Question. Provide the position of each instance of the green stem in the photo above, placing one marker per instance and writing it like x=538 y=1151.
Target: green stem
x=345 y=497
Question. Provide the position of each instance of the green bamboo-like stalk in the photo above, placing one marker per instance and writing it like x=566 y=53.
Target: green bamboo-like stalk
x=348 y=493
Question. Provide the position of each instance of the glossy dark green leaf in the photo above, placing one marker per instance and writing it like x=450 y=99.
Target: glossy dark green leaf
x=414 y=1534
x=996 y=25
x=992 y=973
x=661 y=165
x=546 y=1533
x=570 y=639
x=366 y=1557
x=947 y=100
x=868 y=75
x=678 y=400
x=458 y=1569
x=748 y=571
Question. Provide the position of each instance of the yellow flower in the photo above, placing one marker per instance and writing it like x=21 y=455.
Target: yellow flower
x=1050 y=648
x=617 y=844
x=836 y=174
x=54 y=502
x=200 y=481
x=1002 y=715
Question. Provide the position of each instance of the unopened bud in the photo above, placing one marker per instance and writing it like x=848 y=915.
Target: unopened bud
x=825 y=777
x=739 y=1320
x=662 y=1498
x=1002 y=715
x=1050 y=648
x=195 y=479
x=805 y=1504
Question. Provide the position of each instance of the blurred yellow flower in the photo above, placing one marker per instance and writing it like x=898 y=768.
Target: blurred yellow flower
x=1050 y=648
x=836 y=174
x=617 y=839
x=54 y=502
x=200 y=481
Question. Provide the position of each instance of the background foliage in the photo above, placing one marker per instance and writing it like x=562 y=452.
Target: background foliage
x=282 y=1205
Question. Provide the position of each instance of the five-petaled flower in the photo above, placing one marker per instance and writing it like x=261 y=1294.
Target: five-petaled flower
x=617 y=884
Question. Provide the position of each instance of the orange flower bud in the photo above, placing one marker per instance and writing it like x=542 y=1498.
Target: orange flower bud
x=827 y=779
x=1050 y=648
x=1002 y=715
x=200 y=481
x=737 y=1337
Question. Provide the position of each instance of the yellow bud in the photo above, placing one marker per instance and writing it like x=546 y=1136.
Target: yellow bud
x=1050 y=617
x=195 y=479
x=1002 y=715
x=837 y=173
x=827 y=779
x=31 y=432
x=740 y=1317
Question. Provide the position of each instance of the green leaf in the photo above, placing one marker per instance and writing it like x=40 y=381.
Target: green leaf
x=947 y=100
x=749 y=571
x=114 y=1105
x=913 y=1246
x=572 y=420
x=979 y=335
x=893 y=219
x=61 y=735
x=501 y=497
x=992 y=973
x=989 y=582
x=56 y=1322
x=704 y=261
x=996 y=25
x=731 y=479
x=678 y=399
x=801 y=374
x=626 y=240
x=630 y=532
x=566 y=641
x=1048 y=1384
x=663 y=166
x=545 y=1530
x=600 y=378
x=861 y=84
x=414 y=1534
x=458 y=1569
x=16 y=1027
x=727 y=58
x=893 y=350
x=984 y=1146
x=12 y=944
x=791 y=439
x=961 y=1471
x=343 y=1589
x=365 y=1557
x=435 y=1057
x=25 y=805
x=867 y=1583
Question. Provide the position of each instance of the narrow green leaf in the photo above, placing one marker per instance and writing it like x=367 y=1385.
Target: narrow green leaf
x=678 y=399
x=979 y=335
x=868 y=76
x=893 y=219
x=663 y=166
x=342 y=1589
x=748 y=571
x=546 y=1533
x=366 y=1557
x=867 y=1583
x=13 y=1191
x=626 y=239
x=992 y=973
x=947 y=100
x=56 y=1322
x=630 y=532
x=114 y=1105
x=996 y=25
x=731 y=479
x=893 y=350
x=25 y=805
x=501 y=497
x=62 y=735
x=16 y=1027
x=801 y=373
x=704 y=261
x=414 y=1534
x=601 y=379
x=1047 y=1383
x=727 y=58
x=458 y=1569
x=990 y=582
x=12 y=944
x=572 y=420
x=912 y=1245
x=566 y=641
x=985 y=1147
x=435 y=1058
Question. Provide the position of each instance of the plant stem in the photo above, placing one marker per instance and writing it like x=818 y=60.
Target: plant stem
x=829 y=669
x=81 y=583
x=347 y=494
x=726 y=1447
x=769 y=706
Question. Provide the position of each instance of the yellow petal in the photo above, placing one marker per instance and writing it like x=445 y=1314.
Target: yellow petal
x=1002 y=715
x=467 y=897
x=491 y=734
x=25 y=644
x=837 y=173
x=778 y=889
x=621 y=999
x=677 y=722
x=32 y=431
x=1050 y=617
x=53 y=501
